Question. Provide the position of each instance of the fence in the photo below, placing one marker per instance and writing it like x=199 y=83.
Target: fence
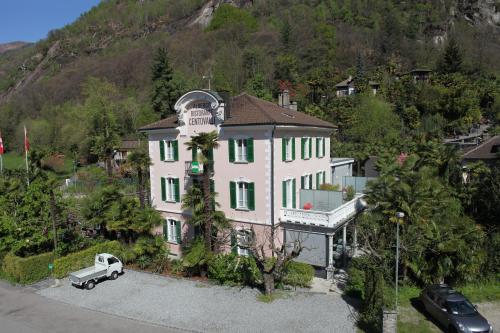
x=324 y=201
x=357 y=183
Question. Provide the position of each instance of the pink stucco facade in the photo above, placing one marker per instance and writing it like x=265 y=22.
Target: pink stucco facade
x=266 y=172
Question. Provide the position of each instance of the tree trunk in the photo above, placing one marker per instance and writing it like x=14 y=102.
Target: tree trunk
x=268 y=283
x=53 y=213
x=140 y=187
x=207 y=207
x=109 y=167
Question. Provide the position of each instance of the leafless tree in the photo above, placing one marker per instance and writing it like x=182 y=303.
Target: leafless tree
x=265 y=249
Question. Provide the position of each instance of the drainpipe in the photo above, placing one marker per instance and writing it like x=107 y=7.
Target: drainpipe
x=272 y=183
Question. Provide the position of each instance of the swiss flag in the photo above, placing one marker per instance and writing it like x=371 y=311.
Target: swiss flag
x=1 y=145
x=26 y=141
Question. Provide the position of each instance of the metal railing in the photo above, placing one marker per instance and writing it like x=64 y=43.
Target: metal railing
x=194 y=168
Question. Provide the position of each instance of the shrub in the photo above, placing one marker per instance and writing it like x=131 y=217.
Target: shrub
x=27 y=270
x=144 y=262
x=298 y=274
x=78 y=260
x=355 y=286
x=196 y=257
x=228 y=15
x=149 y=246
x=329 y=187
x=231 y=269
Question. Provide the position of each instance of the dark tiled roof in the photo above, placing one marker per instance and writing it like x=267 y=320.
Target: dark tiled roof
x=170 y=122
x=250 y=110
x=490 y=149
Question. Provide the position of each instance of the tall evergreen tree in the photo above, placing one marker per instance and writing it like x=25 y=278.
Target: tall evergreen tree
x=164 y=93
x=451 y=60
x=360 y=81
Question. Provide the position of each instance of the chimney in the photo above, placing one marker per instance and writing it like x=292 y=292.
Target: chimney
x=226 y=96
x=284 y=99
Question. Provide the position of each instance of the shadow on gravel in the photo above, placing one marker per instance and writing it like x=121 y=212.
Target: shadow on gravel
x=419 y=306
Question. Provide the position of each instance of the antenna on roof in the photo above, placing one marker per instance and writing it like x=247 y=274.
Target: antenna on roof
x=209 y=78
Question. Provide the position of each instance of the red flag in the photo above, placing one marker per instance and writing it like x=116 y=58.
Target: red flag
x=26 y=141
x=1 y=145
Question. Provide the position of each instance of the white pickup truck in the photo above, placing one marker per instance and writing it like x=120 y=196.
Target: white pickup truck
x=105 y=266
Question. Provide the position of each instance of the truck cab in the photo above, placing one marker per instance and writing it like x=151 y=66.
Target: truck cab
x=105 y=266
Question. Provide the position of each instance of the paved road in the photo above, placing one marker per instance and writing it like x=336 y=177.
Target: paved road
x=23 y=311
x=203 y=307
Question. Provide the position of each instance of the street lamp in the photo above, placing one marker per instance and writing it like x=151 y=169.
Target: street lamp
x=400 y=216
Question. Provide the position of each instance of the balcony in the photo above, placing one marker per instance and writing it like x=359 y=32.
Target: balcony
x=328 y=219
x=195 y=168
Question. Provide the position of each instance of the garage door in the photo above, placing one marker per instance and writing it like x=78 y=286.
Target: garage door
x=315 y=245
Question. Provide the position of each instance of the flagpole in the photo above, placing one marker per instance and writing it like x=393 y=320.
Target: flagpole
x=26 y=148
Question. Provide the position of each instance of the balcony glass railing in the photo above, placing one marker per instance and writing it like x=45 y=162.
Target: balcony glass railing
x=195 y=168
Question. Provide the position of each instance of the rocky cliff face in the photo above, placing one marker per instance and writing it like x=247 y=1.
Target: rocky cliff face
x=206 y=13
x=480 y=11
x=11 y=46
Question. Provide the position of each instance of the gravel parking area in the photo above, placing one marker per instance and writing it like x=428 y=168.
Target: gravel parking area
x=202 y=307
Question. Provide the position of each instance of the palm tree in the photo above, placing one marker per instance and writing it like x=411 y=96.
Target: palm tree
x=206 y=143
x=140 y=161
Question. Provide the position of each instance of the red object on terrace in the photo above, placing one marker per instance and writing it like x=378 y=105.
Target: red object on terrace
x=308 y=206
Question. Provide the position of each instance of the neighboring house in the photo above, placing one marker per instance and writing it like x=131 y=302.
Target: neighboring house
x=420 y=74
x=488 y=152
x=266 y=154
x=341 y=167
x=127 y=145
x=347 y=87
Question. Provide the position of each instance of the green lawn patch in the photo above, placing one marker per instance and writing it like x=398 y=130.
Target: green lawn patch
x=485 y=291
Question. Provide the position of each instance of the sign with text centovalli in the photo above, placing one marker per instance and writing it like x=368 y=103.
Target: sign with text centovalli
x=200 y=113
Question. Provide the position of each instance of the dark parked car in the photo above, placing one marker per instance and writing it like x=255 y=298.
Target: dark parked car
x=452 y=310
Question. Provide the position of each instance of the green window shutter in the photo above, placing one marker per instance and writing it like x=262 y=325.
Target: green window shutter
x=234 y=245
x=317 y=181
x=231 y=150
x=251 y=196
x=165 y=229
x=210 y=155
x=175 y=145
x=302 y=182
x=324 y=177
x=293 y=148
x=302 y=147
x=163 y=189
x=162 y=150
x=283 y=149
x=293 y=194
x=283 y=189
x=232 y=194
x=212 y=190
x=177 y=190
x=178 y=231
x=250 y=150
x=317 y=147
x=194 y=154
x=310 y=147
x=324 y=145
x=310 y=182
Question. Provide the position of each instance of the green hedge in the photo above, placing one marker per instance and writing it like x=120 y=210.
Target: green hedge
x=298 y=274
x=27 y=270
x=78 y=260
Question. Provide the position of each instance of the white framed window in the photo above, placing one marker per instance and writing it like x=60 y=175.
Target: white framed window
x=307 y=182
x=320 y=147
x=243 y=238
x=288 y=149
x=170 y=189
x=241 y=150
x=306 y=146
x=242 y=195
x=171 y=231
x=169 y=150
x=289 y=195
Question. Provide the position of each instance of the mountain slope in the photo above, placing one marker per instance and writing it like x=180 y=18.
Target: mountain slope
x=242 y=44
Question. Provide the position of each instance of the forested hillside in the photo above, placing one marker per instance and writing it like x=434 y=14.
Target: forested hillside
x=306 y=45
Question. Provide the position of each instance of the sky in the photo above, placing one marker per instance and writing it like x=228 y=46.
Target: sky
x=31 y=20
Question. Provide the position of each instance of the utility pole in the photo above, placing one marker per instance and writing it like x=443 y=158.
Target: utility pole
x=400 y=216
x=209 y=78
